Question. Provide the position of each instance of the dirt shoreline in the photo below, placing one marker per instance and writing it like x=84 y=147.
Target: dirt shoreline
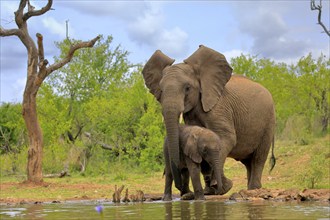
x=278 y=195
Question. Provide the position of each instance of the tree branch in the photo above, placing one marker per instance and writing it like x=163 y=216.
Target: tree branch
x=19 y=14
x=9 y=32
x=319 y=8
x=40 y=47
x=21 y=7
x=31 y=12
x=69 y=56
x=42 y=62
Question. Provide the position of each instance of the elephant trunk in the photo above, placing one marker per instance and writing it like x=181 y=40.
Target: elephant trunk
x=217 y=172
x=171 y=118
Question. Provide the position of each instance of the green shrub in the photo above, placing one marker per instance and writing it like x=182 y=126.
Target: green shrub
x=317 y=168
x=14 y=163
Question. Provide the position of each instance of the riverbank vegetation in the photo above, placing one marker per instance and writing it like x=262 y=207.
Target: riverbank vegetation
x=298 y=167
x=101 y=125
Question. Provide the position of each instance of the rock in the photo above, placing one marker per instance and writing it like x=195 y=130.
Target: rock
x=282 y=195
x=236 y=197
x=154 y=198
x=139 y=197
x=288 y=195
x=314 y=195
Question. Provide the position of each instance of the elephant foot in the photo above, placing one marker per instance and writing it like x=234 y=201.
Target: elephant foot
x=209 y=190
x=185 y=191
x=188 y=196
x=227 y=185
x=167 y=197
x=199 y=197
x=254 y=185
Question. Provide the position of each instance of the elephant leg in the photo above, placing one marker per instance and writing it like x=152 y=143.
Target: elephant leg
x=168 y=175
x=168 y=186
x=227 y=184
x=185 y=181
x=207 y=174
x=247 y=164
x=194 y=171
x=258 y=161
x=228 y=141
x=208 y=190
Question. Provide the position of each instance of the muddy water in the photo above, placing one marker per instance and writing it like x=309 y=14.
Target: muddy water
x=169 y=210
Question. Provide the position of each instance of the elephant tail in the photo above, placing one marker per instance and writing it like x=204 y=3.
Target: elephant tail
x=272 y=158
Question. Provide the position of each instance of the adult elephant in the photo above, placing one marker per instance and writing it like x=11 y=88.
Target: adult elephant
x=203 y=88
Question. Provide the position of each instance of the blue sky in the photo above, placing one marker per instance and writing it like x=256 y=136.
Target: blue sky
x=280 y=30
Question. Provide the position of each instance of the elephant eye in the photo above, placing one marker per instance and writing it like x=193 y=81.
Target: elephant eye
x=186 y=88
x=204 y=150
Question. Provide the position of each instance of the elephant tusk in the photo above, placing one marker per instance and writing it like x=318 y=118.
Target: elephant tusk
x=181 y=118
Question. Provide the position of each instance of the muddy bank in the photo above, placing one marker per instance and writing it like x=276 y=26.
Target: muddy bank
x=280 y=195
x=322 y=195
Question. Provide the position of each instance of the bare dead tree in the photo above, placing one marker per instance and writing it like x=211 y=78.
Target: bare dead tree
x=319 y=8
x=37 y=71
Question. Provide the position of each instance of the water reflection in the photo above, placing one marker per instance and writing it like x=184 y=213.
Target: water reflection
x=243 y=210
x=187 y=210
x=196 y=210
x=35 y=212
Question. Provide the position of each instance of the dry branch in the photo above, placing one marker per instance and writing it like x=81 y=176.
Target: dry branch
x=44 y=72
x=57 y=175
x=9 y=32
x=117 y=194
x=42 y=62
x=319 y=19
x=126 y=199
x=70 y=54
x=31 y=12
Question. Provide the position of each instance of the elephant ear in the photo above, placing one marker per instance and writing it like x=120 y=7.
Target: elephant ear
x=214 y=72
x=152 y=72
x=191 y=150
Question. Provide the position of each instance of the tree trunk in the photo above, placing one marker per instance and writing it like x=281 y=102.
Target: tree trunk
x=35 y=152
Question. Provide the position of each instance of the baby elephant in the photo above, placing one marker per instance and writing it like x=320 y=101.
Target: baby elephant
x=199 y=152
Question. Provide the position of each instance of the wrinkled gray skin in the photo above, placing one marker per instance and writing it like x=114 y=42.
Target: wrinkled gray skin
x=199 y=152
x=203 y=88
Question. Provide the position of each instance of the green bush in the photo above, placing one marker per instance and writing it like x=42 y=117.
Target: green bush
x=317 y=168
x=14 y=163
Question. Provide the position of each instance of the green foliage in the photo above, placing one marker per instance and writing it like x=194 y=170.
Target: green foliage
x=12 y=128
x=98 y=109
x=53 y=115
x=13 y=163
x=13 y=148
x=150 y=135
x=318 y=167
x=300 y=92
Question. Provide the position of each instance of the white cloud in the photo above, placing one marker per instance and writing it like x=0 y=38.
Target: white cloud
x=233 y=54
x=56 y=27
x=173 y=42
x=149 y=29
x=145 y=26
x=273 y=28
x=125 y=10
x=143 y=21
